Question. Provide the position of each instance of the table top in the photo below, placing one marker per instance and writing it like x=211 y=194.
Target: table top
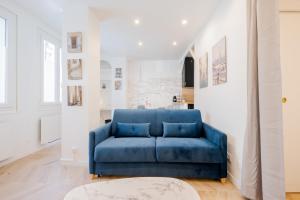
x=142 y=188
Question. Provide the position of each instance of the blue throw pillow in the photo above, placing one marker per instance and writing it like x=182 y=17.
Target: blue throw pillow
x=186 y=130
x=133 y=130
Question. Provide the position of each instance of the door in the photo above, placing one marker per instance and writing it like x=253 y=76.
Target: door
x=290 y=63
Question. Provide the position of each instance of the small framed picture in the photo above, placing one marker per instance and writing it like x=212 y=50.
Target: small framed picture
x=203 y=63
x=118 y=73
x=74 y=42
x=74 y=69
x=118 y=85
x=74 y=95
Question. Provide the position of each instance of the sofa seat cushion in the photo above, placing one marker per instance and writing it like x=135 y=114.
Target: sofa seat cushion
x=131 y=149
x=187 y=150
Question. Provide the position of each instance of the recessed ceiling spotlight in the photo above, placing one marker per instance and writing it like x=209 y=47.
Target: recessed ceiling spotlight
x=184 y=22
x=174 y=43
x=140 y=43
x=137 y=21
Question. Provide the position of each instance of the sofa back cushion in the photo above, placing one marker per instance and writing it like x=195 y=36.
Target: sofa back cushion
x=133 y=130
x=184 y=130
x=134 y=116
x=178 y=116
x=155 y=117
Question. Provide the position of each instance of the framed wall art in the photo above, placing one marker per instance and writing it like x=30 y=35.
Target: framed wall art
x=118 y=73
x=74 y=69
x=74 y=95
x=118 y=85
x=74 y=42
x=219 y=62
x=203 y=68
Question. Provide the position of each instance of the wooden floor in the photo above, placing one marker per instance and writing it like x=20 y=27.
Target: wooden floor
x=41 y=176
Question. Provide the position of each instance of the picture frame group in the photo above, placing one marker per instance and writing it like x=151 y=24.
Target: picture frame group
x=219 y=65
x=74 y=69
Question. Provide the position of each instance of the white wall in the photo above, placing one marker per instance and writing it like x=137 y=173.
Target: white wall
x=77 y=121
x=224 y=106
x=153 y=83
x=118 y=99
x=24 y=124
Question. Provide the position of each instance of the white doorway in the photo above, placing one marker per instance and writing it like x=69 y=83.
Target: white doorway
x=290 y=52
x=105 y=90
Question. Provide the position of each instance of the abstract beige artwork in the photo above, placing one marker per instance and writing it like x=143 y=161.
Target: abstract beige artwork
x=219 y=62
x=203 y=66
x=74 y=95
x=74 y=69
x=118 y=85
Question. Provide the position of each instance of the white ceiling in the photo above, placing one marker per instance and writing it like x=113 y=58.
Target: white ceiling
x=49 y=11
x=160 y=24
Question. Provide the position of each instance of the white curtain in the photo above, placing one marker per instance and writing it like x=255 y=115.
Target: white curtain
x=262 y=170
x=251 y=171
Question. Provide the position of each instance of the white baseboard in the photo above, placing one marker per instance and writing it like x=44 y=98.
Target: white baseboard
x=236 y=182
x=27 y=153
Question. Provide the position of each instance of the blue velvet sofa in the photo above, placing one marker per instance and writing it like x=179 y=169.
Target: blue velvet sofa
x=202 y=157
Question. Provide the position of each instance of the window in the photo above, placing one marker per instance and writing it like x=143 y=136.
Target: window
x=2 y=61
x=51 y=62
x=49 y=72
x=60 y=76
x=8 y=38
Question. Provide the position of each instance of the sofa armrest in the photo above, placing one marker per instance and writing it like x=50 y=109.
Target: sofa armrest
x=95 y=137
x=217 y=137
x=220 y=139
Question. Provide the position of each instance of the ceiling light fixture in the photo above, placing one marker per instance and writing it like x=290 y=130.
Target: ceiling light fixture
x=137 y=21
x=174 y=43
x=184 y=22
x=140 y=43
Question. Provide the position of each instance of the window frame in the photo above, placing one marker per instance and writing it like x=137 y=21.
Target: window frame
x=10 y=104
x=56 y=42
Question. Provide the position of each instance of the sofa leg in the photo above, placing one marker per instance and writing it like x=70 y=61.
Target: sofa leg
x=223 y=180
x=94 y=176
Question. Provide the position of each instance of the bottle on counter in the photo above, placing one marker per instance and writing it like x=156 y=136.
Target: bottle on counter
x=174 y=99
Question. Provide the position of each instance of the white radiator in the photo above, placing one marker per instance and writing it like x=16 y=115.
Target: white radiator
x=6 y=141
x=50 y=128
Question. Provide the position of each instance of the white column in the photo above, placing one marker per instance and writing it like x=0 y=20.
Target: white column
x=77 y=121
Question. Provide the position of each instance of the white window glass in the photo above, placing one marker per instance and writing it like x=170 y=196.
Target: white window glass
x=8 y=78
x=60 y=76
x=49 y=72
x=3 y=60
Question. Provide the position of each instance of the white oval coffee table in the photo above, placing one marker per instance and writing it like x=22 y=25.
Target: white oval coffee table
x=144 y=188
